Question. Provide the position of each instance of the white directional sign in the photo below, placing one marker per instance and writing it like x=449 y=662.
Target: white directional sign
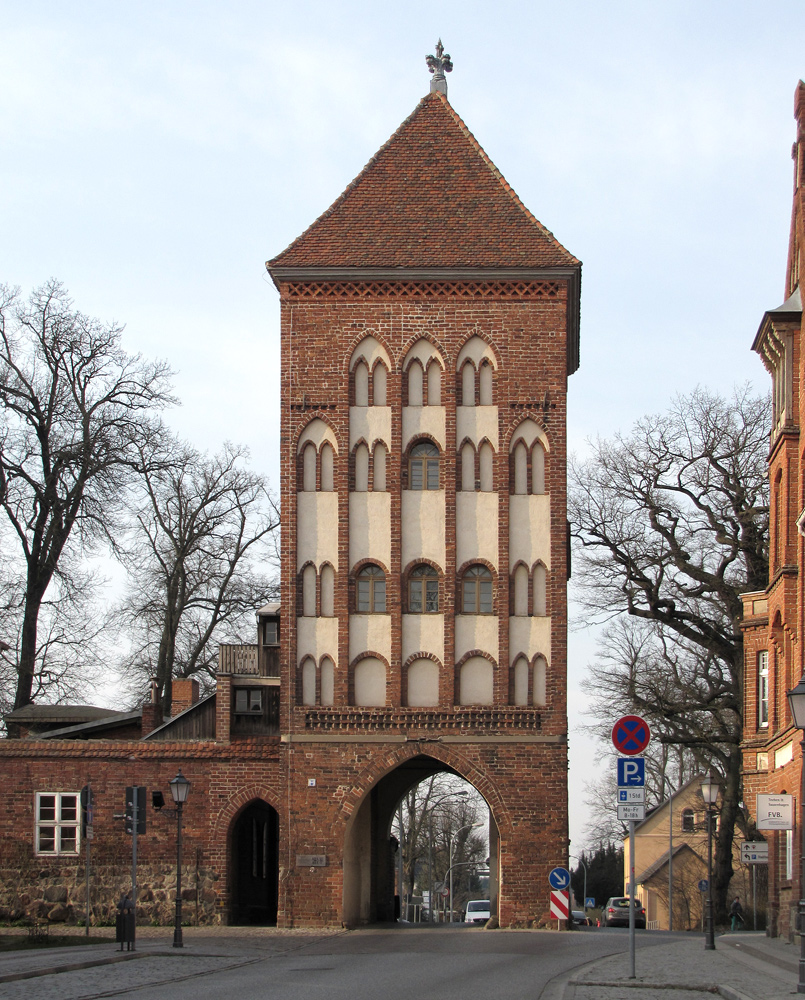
x=754 y=853
x=631 y=795
x=635 y=813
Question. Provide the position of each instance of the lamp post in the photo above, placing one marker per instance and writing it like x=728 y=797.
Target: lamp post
x=581 y=862
x=431 y=806
x=469 y=826
x=710 y=787
x=796 y=701
x=180 y=786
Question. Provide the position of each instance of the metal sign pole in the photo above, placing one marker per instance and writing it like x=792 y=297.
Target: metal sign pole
x=631 y=900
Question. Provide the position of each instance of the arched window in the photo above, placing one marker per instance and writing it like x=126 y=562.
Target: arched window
x=486 y=463
x=476 y=591
x=467 y=467
x=434 y=384
x=371 y=591
x=468 y=384
x=540 y=681
x=379 y=384
x=327 y=468
x=361 y=469
x=308 y=682
x=540 y=590
x=520 y=469
x=521 y=672
x=485 y=394
x=415 y=384
x=361 y=384
x=538 y=469
x=688 y=821
x=423 y=467
x=521 y=591
x=309 y=591
x=423 y=590
x=379 y=472
x=327 y=681
x=309 y=468
x=327 y=590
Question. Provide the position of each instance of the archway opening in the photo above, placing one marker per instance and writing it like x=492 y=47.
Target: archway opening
x=255 y=865
x=423 y=837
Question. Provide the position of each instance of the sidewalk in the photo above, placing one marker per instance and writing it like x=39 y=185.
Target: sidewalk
x=744 y=966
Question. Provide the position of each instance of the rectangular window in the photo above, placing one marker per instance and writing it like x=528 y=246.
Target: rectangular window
x=57 y=821
x=763 y=689
x=248 y=701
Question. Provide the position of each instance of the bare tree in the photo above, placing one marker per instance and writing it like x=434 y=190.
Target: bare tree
x=196 y=560
x=73 y=404
x=673 y=526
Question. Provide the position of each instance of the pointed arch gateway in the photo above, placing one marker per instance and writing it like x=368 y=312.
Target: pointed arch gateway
x=370 y=857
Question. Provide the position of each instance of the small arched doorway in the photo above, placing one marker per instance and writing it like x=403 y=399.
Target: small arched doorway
x=254 y=860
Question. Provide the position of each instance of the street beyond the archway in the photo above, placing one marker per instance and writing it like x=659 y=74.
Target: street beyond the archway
x=383 y=963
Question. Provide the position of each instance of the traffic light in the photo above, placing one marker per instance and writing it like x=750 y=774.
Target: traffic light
x=135 y=793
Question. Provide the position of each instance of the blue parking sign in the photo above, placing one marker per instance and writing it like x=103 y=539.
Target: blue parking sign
x=631 y=772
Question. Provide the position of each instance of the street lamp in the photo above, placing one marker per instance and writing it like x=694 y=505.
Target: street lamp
x=180 y=786
x=431 y=807
x=469 y=826
x=796 y=701
x=710 y=787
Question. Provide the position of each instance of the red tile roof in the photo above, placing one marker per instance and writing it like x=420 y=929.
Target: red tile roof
x=432 y=198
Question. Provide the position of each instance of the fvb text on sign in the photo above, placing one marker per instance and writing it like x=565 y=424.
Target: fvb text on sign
x=775 y=812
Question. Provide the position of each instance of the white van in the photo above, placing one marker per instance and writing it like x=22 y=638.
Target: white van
x=477 y=911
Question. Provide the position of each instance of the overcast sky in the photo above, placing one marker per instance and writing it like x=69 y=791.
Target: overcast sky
x=155 y=155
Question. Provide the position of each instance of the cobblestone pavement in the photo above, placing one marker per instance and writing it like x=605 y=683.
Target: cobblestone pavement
x=744 y=966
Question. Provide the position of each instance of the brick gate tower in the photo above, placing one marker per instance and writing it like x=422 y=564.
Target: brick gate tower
x=429 y=323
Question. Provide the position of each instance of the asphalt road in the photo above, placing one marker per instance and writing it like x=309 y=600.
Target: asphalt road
x=394 y=963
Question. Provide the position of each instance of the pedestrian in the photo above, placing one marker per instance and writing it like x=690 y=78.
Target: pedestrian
x=736 y=914
x=124 y=924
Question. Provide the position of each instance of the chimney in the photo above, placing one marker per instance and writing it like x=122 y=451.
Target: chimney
x=185 y=694
x=151 y=715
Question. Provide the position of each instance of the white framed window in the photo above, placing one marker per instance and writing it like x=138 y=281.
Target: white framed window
x=248 y=701
x=763 y=689
x=58 y=818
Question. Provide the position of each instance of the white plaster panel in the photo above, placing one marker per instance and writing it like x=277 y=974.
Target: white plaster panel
x=477 y=527
x=370 y=349
x=369 y=633
x=419 y=420
x=476 y=682
x=370 y=682
x=316 y=431
x=529 y=636
x=477 y=349
x=422 y=634
x=422 y=528
x=370 y=527
x=529 y=530
x=423 y=350
x=529 y=431
x=477 y=423
x=423 y=684
x=370 y=423
x=317 y=637
x=477 y=632
x=316 y=528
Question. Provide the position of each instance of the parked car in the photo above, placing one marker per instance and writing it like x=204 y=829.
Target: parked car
x=616 y=913
x=477 y=911
x=580 y=918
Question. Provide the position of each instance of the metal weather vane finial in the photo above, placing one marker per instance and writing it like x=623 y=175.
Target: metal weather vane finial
x=438 y=65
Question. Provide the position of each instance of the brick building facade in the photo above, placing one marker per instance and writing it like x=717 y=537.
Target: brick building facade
x=429 y=323
x=773 y=625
